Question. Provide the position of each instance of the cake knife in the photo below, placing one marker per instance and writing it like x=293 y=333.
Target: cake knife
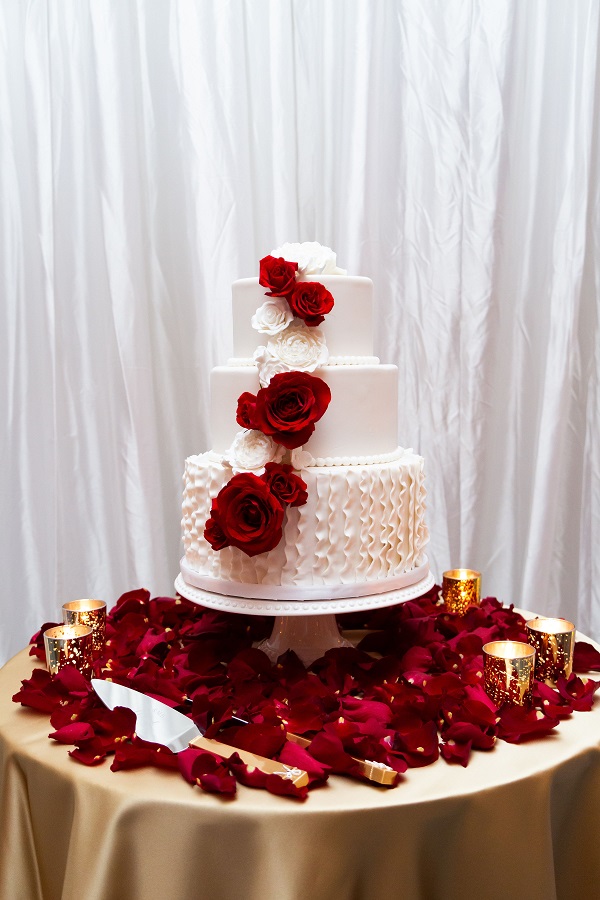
x=160 y=724
x=369 y=768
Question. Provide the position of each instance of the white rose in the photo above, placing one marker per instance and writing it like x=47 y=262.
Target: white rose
x=312 y=258
x=267 y=365
x=251 y=451
x=299 y=348
x=273 y=316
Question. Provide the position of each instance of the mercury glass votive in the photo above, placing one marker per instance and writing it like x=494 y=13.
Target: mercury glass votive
x=69 y=644
x=461 y=589
x=554 y=642
x=508 y=670
x=88 y=612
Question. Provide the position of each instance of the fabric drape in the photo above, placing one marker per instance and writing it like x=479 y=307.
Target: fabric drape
x=445 y=831
x=151 y=152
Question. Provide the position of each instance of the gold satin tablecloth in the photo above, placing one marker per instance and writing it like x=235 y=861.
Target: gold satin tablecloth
x=518 y=822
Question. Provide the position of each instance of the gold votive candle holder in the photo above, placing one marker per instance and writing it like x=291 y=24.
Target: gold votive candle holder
x=69 y=644
x=508 y=672
x=554 y=642
x=460 y=589
x=88 y=612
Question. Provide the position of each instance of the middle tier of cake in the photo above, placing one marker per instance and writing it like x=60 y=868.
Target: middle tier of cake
x=360 y=424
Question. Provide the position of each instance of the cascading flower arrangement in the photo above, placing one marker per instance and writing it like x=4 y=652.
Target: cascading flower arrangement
x=248 y=512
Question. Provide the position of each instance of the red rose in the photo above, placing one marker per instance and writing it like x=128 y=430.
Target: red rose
x=247 y=515
x=310 y=301
x=288 y=487
x=289 y=406
x=245 y=410
x=278 y=275
x=214 y=533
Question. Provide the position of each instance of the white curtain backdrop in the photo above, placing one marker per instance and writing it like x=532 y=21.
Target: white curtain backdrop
x=152 y=151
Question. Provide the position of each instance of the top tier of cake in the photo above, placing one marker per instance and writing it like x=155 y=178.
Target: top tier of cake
x=348 y=328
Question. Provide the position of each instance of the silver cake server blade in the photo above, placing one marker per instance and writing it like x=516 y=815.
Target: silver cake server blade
x=158 y=723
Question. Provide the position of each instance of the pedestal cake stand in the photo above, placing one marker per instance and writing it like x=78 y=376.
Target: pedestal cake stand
x=308 y=627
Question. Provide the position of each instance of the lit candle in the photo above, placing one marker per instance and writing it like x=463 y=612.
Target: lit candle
x=88 y=612
x=554 y=642
x=69 y=644
x=508 y=670
x=461 y=589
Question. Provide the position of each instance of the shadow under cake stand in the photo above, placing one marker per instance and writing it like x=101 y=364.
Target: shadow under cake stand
x=308 y=627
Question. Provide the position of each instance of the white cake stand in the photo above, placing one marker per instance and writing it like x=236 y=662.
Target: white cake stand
x=307 y=627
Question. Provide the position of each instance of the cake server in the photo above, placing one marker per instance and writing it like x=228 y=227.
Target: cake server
x=160 y=724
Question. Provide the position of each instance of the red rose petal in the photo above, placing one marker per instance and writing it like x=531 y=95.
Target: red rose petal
x=75 y=733
x=132 y=601
x=416 y=658
x=39 y=692
x=550 y=701
x=72 y=682
x=218 y=782
x=518 y=724
x=579 y=693
x=91 y=753
x=213 y=775
x=356 y=710
x=469 y=733
x=138 y=754
x=266 y=740
x=299 y=758
x=585 y=657
x=302 y=717
x=454 y=752
x=185 y=763
x=284 y=787
x=419 y=746
x=327 y=748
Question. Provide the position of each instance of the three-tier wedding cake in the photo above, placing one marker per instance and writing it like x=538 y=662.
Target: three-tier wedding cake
x=305 y=494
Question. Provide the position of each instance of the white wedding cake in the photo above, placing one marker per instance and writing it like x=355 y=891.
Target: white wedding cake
x=305 y=494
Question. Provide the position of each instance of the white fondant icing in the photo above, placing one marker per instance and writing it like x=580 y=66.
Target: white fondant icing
x=300 y=594
x=309 y=460
x=361 y=419
x=361 y=526
x=348 y=328
x=332 y=361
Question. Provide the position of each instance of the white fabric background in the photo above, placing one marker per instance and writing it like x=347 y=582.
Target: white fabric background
x=152 y=151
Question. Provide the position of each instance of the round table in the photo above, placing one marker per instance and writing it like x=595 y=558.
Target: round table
x=519 y=821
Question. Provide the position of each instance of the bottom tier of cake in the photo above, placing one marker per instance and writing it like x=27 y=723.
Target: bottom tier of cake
x=361 y=532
